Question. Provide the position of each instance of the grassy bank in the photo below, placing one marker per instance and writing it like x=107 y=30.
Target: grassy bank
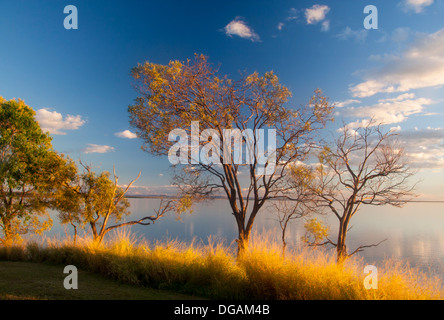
x=40 y=281
x=212 y=270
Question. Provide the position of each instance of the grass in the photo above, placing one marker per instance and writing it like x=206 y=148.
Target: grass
x=38 y=281
x=212 y=271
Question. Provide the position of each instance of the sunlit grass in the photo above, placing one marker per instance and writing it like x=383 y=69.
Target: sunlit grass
x=212 y=270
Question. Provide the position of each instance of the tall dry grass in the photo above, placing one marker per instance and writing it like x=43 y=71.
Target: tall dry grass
x=213 y=271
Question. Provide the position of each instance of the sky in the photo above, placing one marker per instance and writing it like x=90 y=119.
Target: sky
x=78 y=80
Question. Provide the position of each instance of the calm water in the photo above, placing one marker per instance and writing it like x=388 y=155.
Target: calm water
x=414 y=233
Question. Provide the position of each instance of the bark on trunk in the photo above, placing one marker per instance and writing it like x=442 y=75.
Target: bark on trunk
x=341 y=248
x=94 y=230
x=242 y=241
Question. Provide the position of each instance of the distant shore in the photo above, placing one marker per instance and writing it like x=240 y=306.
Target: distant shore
x=159 y=196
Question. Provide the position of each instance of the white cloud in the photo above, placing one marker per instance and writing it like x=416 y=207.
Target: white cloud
x=341 y=104
x=400 y=34
x=325 y=26
x=395 y=129
x=349 y=33
x=424 y=147
x=95 y=148
x=416 y=5
x=383 y=58
x=292 y=14
x=370 y=88
x=399 y=98
x=420 y=66
x=54 y=123
x=238 y=27
x=126 y=134
x=425 y=136
x=388 y=111
x=316 y=13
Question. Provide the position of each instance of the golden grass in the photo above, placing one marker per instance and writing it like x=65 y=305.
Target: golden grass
x=213 y=271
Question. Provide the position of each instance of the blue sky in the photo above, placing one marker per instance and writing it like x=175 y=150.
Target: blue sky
x=79 y=81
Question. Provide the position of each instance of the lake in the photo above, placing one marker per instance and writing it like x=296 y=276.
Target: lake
x=414 y=233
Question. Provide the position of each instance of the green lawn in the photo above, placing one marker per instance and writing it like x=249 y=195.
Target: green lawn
x=25 y=280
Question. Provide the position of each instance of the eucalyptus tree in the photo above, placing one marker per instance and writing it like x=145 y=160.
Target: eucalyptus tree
x=31 y=172
x=97 y=201
x=185 y=98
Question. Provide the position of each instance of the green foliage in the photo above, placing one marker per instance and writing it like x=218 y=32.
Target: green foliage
x=99 y=197
x=92 y=199
x=30 y=172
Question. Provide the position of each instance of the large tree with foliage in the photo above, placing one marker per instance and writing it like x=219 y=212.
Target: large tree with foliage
x=30 y=171
x=176 y=95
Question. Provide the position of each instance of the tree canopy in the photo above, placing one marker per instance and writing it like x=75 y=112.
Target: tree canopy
x=97 y=201
x=180 y=94
x=30 y=172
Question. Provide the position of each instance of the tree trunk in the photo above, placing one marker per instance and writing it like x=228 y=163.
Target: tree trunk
x=242 y=241
x=75 y=232
x=99 y=239
x=6 y=220
x=244 y=231
x=94 y=230
x=7 y=227
x=341 y=248
x=102 y=234
x=7 y=232
x=243 y=234
x=284 y=243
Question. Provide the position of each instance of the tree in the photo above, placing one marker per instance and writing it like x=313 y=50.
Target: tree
x=365 y=166
x=68 y=204
x=179 y=95
x=298 y=202
x=315 y=232
x=94 y=199
x=30 y=172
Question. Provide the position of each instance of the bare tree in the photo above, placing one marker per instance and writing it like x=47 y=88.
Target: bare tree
x=176 y=95
x=297 y=201
x=365 y=166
